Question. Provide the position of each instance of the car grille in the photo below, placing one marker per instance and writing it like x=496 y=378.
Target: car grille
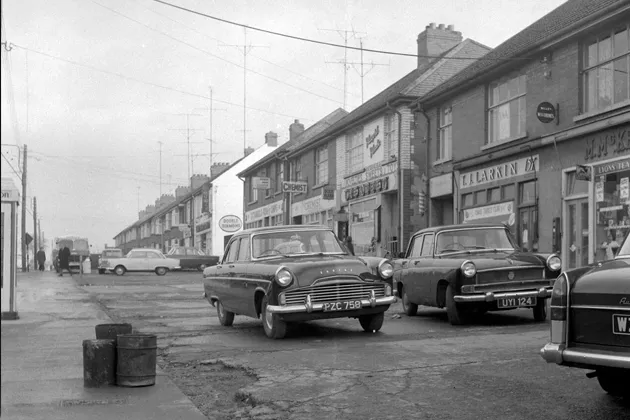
x=334 y=292
x=503 y=276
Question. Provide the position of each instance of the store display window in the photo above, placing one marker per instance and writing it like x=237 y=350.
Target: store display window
x=612 y=213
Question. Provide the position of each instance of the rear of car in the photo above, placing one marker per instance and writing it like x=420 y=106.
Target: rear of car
x=104 y=261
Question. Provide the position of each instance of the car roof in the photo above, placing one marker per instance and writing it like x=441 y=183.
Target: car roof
x=145 y=249
x=436 y=229
x=283 y=228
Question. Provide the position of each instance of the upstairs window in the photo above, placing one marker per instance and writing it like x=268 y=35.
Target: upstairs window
x=354 y=151
x=279 y=175
x=253 y=192
x=606 y=65
x=507 y=110
x=321 y=165
x=297 y=169
x=445 y=137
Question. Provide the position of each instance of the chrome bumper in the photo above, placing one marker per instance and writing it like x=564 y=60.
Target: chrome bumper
x=557 y=353
x=543 y=292
x=309 y=307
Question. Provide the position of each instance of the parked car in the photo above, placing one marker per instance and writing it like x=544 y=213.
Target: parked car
x=105 y=256
x=471 y=269
x=590 y=322
x=142 y=259
x=297 y=273
x=192 y=258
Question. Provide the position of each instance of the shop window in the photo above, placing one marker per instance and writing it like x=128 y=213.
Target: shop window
x=528 y=229
x=481 y=197
x=354 y=151
x=494 y=194
x=527 y=192
x=612 y=199
x=467 y=200
x=606 y=69
x=574 y=186
x=391 y=136
x=321 y=165
x=445 y=134
x=507 y=110
x=508 y=192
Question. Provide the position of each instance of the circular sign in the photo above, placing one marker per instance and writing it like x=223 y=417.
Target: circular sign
x=512 y=219
x=230 y=223
x=546 y=112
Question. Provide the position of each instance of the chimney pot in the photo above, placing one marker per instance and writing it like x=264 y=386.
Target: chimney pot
x=441 y=26
x=431 y=25
x=451 y=27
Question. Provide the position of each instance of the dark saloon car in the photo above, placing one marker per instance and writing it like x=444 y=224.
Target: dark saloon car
x=192 y=258
x=590 y=322
x=297 y=273
x=471 y=269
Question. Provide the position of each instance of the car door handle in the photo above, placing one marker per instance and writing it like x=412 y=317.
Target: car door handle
x=416 y=263
x=231 y=266
x=404 y=262
x=246 y=284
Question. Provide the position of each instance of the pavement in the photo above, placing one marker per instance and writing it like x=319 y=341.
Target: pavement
x=42 y=361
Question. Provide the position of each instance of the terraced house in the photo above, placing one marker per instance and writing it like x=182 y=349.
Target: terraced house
x=357 y=175
x=537 y=134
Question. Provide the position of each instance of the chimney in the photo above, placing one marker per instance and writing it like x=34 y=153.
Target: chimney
x=181 y=192
x=435 y=41
x=141 y=214
x=295 y=129
x=271 y=138
x=198 y=180
x=218 y=168
x=249 y=150
x=150 y=209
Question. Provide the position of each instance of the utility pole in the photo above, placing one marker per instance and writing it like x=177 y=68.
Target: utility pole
x=35 y=237
x=24 y=248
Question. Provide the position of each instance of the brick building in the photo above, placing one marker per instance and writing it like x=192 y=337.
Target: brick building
x=537 y=134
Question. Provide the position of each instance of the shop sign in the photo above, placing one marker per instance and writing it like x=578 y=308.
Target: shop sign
x=441 y=185
x=202 y=226
x=500 y=172
x=230 y=223
x=294 y=187
x=261 y=183
x=614 y=142
x=272 y=209
x=546 y=112
x=371 y=172
x=624 y=188
x=368 y=188
x=373 y=141
x=611 y=167
x=493 y=213
x=9 y=191
x=312 y=205
x=328 y=193
x=205 y=199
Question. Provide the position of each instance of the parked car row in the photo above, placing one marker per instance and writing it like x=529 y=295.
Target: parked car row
x=297 y=273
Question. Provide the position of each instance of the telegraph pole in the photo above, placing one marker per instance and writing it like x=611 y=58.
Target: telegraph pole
x=24 y=248
x=35 y=236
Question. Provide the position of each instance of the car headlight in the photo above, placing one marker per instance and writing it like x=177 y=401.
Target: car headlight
x=468 y=268
x=386 y=269
x=284 y=277
x=554 y=262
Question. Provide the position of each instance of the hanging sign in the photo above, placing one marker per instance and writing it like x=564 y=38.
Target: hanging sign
x=294 y=187
x=546 y=112
x=230 y=223
x=261 y=183
x=583 y=173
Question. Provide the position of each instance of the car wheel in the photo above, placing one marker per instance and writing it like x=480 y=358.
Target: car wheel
x=540 y=310
x=410 y=308
x=614 y=381
x=273 y=325
x=201 y=267
x=119 y=270
x=456 y=315
x=372 y=323
x=226 y=318
x=160 y=271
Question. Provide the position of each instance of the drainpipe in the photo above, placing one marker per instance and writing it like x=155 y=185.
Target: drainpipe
x=427 y=163
x=400 y=178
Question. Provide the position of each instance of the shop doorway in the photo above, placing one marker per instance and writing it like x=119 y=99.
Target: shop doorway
x=576 y=233
x=528 y=229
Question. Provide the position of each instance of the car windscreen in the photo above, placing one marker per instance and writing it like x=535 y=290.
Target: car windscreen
x=295 y=242
x=112 y=254
x=471 y=239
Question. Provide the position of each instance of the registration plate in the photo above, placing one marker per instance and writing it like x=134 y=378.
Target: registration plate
x=347 y=305
x=621 y=324
x=516 y=302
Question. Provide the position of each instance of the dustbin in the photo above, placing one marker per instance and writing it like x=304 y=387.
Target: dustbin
x=87 y=266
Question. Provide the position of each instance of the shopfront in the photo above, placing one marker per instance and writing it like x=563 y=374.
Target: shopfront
x=268 y=215
x=505 y=192
x=441 y=190
x=8 y=249
x=315 y=210
x=203 y=232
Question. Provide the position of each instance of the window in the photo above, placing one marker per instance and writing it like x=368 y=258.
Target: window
x=321 y=165
x=243 y=253
x=527 y=192
x=232 y=252
x=506 y=114
x=445 y=134
x=416 y=247
x=391 y=136
x=606 y=69
x=480 y=197
x=354 y=151
x=467 y=200
x=508 y=192
x=494 y=194
x=279 y=176
x=297 y=169
x=427 y=246
x=253 y=192
x=575 y=186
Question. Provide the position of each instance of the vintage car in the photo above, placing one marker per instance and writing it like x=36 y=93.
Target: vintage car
x=471 y=269
x=141 y=260
x=192 y=258
x=590 y=322
x=297 y=273
x=107 y=254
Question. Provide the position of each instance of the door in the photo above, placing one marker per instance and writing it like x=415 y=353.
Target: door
x=245 y=281
x=154 y=260
x=410 y=286
x=528 y=229
x=575 y=250
x=226 y=283
x=137 y=261
x=418 y=273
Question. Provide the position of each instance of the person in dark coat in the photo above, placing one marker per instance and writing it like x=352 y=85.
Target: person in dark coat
x=64 y=261
x=41 y=258
x=349 y=244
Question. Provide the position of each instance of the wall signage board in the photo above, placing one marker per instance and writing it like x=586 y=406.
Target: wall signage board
x=272 y=209
x=546 y=112
x=500 y=172
x=373 y=142
x=312 y=205
x=611 y=167
x=370 y=173
x=383 y=184
x=230 y=223
x=328 y=193
x=261 y=183
x=294 y=187
x=493 y=213
x=612 y=142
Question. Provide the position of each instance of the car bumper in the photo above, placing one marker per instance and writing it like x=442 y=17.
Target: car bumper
x=557 y=353
x=543 y=292
x=309 y=307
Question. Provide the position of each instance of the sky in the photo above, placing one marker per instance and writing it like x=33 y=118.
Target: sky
x=103 y=91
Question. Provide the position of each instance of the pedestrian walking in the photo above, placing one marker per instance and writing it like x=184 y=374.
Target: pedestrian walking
x=41 y=258
x=349 y=245
x=64 y=260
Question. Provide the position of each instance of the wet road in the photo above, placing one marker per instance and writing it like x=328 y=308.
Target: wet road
x=416 y=367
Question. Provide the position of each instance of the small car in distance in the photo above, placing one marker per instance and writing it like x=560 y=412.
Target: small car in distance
x=105 y=256
x=590 y=322
x=297 y=273
x=191 y=258
x=471 y=269
x=142 y=260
